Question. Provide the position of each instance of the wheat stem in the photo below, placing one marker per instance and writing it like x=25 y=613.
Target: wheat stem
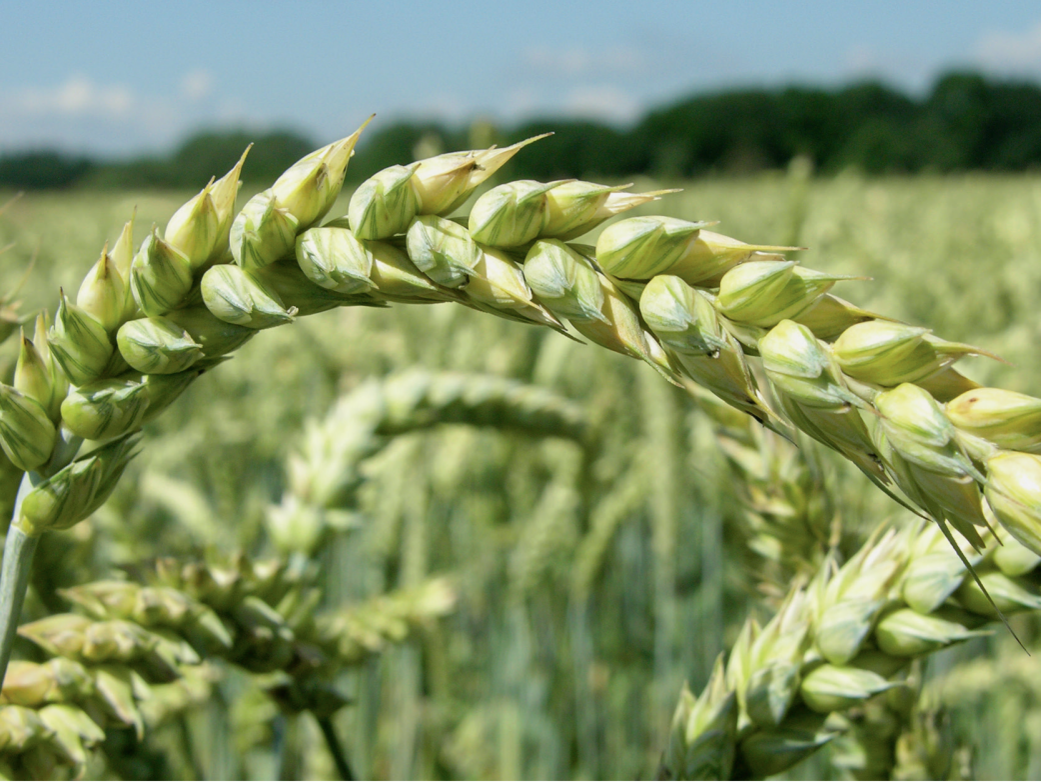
x=14 y=581
x=332 y=741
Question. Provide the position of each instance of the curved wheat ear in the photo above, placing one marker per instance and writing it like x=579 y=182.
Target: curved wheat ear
x=835 y=644
x=324 y=472
x=693 y=304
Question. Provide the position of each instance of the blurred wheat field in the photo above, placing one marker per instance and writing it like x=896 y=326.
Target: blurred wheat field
x=592 y=584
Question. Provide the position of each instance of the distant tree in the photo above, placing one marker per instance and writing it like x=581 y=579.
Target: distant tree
x=735 y=130
x=42 y=170
x=966 y=122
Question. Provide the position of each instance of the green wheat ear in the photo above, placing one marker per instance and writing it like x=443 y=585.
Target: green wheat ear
x=835 y=645
x=140 y=654
x=870 y=388
x=325 y=471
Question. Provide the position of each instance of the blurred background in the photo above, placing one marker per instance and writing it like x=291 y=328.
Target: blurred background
x=593 y=567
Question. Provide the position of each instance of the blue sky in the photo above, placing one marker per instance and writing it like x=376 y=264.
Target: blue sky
x=123 y=78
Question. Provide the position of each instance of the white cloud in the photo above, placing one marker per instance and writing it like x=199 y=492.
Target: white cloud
x=520 y=102
x=864 y=59
x=444 y=106
x=903 y=67
x=76 y=96
x=79 y=112
x=580 y=61
x=1007 y=51
x=602 y=102
x=197 y=85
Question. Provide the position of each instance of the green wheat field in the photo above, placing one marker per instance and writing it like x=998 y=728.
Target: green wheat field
x=589 y=580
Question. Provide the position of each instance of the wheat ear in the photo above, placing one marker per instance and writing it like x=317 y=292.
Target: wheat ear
x=837 y=643
x=138 y=653
x=324 y=472
x=869 y=388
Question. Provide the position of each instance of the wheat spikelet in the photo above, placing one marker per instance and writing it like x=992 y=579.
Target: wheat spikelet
x=900 y=735
x=787 y=516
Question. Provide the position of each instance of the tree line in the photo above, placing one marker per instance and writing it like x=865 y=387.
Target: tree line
x=967 y=121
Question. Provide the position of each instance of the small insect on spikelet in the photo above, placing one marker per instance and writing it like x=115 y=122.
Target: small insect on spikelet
x=570 y=287
x=685 y=321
